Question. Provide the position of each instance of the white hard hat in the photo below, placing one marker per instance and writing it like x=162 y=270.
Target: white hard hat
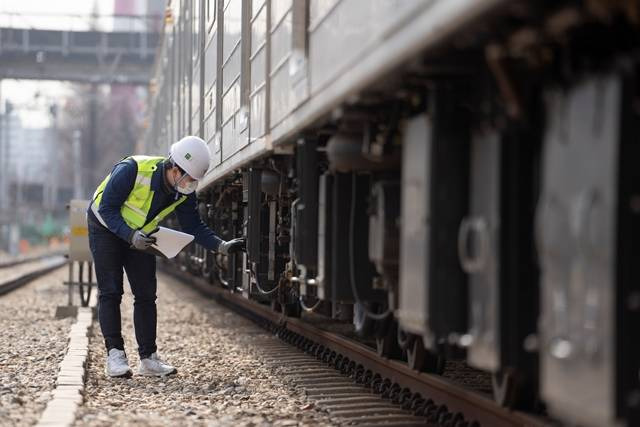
x=192 y=155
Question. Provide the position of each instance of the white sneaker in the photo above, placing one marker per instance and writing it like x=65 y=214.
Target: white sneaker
x=154 y=367
x=117 y=364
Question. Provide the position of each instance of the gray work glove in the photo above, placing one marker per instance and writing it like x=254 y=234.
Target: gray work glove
x=141 y=241
x=232 y=246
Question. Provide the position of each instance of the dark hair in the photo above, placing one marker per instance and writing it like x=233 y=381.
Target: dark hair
x=173 y=164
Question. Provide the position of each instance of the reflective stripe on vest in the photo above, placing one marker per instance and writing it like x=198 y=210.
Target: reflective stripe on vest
x=135 y=209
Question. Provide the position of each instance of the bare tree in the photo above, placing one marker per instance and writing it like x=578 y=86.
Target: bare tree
x=108 y=119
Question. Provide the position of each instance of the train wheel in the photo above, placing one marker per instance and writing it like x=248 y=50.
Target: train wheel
x=512 y=391
x=421 y=359
x=504 y=387
x=386 y=339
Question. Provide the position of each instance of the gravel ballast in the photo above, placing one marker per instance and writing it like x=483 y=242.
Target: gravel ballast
x=32 y=344
x=221 y=380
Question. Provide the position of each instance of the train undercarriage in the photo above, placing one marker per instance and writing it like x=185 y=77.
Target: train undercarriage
x=478 y=204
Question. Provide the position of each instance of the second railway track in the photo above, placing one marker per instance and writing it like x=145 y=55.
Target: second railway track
x=15 y=274
x=12 y=262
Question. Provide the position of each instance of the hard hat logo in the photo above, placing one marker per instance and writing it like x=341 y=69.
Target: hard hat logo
x=192 y=155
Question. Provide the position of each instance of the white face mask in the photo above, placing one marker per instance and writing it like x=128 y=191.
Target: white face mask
x=186 y=189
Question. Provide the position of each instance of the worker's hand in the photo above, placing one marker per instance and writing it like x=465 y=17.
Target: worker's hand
x=141 y=241
x=232 y=246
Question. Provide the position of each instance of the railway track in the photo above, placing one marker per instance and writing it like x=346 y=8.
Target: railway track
x=27 y=259
x=346 y=402
x=326 y=357
x=17 y=273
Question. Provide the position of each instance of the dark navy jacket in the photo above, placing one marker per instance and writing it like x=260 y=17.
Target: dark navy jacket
x=123 y=177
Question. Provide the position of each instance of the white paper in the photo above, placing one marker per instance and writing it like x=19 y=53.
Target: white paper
x=169 y=242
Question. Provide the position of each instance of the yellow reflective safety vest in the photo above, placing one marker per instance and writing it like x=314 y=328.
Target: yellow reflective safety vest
x=135 y=209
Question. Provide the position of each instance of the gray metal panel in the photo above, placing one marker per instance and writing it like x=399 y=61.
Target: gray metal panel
x=280 y=95
x=281 y=40
x=231 y=69
x=196 y=33
x=256 y=5
x=231 y=100
x=195 y=121
x=416 y=30
x=278 y=9
x=210 y=14
x=236 y=129
x=414 y=230
x=175 y=132
x=210 y=126
x=258 y=70
x=481 y=230
x=318 y=9
x=281 y=44
x=196 y=98
x=180 y=63
x=196 y=88
x=258 y=114
x=233 y=129
x=325 y=193
x=258 y=25
x=210 y=63
x=354 y=26
x=232 y=24
x=576 y=226
x=185 y=69
x=298 y=62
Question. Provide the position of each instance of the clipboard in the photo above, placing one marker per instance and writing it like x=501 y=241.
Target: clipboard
x=169 y=242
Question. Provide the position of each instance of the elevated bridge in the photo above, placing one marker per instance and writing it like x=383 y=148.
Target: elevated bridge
x=79 y=56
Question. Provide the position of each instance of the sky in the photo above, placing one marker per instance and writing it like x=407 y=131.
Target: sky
x=42 y=14
x=38 y=13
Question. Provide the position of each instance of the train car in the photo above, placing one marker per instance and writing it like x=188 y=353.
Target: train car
x=454 y=179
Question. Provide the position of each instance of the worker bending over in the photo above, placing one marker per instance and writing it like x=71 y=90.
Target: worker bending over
x=125 y=210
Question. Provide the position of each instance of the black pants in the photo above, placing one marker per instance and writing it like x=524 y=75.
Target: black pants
x=111 y=256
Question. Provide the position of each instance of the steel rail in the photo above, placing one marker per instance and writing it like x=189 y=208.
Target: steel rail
x=473 y=405
x=7 y=286
x=26 y=259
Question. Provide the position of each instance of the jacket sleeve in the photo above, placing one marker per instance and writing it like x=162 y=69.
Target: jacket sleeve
x=116 y=192
x=191 y=223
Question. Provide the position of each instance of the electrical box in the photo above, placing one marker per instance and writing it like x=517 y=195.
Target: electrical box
x=79 y=231
x=435 y=179
x=479 y=251
x=588 y=354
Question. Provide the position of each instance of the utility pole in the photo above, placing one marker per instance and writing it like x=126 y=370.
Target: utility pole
x=55 y=154
x=78 y=192
x=5 y=219
x=92 y=146
x=4 y=236
x=11 y=228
